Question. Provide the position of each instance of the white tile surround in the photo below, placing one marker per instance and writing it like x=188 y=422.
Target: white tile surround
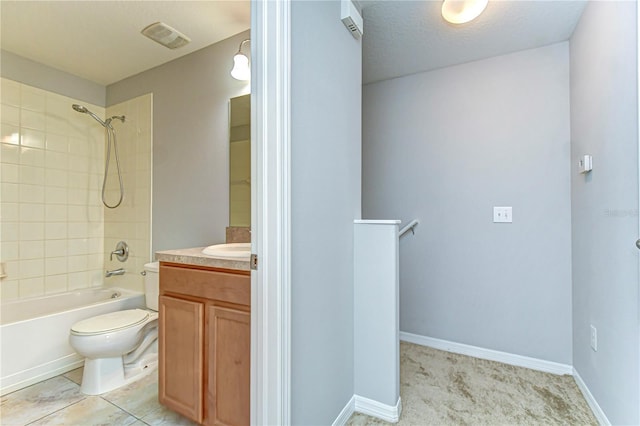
x=52 y=233
x=131 y=221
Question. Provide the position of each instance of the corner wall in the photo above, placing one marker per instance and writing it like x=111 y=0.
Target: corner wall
x=447 y=146
x=326 y=85
x=131 y=221
x=604 y=123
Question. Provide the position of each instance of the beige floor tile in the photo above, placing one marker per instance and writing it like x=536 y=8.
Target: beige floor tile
x=75 y=375
x=165 y=417
x=139 y=398
x=90 y=411
x=37 y=401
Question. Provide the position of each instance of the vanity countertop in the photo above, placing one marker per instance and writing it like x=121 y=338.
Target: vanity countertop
x=194 y=256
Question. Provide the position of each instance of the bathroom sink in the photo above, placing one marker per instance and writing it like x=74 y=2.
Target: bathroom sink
x=230 y=250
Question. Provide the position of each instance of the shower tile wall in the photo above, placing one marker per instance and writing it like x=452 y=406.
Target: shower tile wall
x=131 y=221
x=51 y=159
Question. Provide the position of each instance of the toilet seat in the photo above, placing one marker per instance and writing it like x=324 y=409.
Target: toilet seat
x=110 y=322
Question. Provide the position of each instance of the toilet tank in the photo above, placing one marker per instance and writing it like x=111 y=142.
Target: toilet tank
x=151 y=285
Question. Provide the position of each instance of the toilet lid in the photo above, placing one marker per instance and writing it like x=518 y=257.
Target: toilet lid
x=110 y=322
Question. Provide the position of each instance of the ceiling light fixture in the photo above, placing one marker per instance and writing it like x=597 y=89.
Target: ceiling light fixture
x=462 y=11
x=241 y=69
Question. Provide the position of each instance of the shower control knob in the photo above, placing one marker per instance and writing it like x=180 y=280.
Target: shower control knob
x=121 y=252
x=638 y=243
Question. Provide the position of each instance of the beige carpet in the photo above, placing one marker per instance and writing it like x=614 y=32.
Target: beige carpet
x=441 y=388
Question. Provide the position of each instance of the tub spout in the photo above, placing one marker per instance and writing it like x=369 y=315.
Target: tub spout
x=113 y=272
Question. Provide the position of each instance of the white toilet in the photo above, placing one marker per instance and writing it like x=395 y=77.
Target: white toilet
x=119 y=347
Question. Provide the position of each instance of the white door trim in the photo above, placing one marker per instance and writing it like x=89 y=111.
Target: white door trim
x=270 y=212
x=638 y=117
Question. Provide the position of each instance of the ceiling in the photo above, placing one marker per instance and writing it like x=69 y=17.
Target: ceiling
x=407 y=37
x=101 y=41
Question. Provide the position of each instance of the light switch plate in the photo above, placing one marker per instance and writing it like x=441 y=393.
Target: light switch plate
x=502 y=215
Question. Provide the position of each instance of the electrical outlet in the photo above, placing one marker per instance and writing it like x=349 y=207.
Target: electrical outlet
x=594 y=338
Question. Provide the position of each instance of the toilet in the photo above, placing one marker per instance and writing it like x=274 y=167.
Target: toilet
x=119 y=347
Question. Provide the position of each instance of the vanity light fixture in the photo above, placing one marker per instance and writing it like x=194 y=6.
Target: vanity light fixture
x=241 y=69
x=462 y=11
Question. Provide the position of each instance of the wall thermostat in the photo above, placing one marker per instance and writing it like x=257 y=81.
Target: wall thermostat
x=351 y=18
x=585 y=164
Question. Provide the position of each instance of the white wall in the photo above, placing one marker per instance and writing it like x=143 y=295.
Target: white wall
x=190 y=142
x=604 y=120
x=445 y=147
x=325 y=199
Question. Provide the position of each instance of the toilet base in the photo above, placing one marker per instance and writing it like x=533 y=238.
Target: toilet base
x=106 y=374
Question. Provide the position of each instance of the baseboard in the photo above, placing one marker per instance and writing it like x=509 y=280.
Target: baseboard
x=489 y=354
x=593 y=404
x=389 y=413
x=360 y=404
x=346 y=413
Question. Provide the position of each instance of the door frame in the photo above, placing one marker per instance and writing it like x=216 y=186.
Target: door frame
x=638 y=123
x=270 y=213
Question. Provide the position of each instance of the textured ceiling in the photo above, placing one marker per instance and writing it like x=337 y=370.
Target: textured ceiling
x=101 y=41
x=407 y=37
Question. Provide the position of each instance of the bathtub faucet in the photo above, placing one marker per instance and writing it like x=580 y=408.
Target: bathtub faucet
x=114 y=272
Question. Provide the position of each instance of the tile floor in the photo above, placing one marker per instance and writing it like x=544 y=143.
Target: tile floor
x=58 y=401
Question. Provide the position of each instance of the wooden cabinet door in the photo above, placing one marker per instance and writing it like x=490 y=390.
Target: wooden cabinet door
x=228 y=375
x=180 y=354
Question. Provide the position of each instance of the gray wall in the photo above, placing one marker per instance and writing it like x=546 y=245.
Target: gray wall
x=445 y=147
x=604 y=120
x=326 y=108
x=23 y=70
x=190 y=142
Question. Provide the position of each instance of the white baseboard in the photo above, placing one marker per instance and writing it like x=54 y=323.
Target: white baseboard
x=489 y=354
x=593 y=404
x=346 y=413
x=389 y=413
x=360 y=404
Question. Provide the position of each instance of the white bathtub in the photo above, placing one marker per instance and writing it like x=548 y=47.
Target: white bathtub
x=34 y=332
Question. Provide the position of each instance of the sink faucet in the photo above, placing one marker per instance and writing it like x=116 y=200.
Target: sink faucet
x=113 y=272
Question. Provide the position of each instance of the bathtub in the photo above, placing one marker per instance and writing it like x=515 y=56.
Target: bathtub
x=34 y=332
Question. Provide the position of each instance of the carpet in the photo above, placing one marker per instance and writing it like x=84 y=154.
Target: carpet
x=442 y=388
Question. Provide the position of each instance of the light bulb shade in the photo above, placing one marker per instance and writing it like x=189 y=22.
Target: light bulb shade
x=461 y=11
x=241 y=70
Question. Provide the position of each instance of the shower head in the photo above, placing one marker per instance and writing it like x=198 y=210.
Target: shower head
x=84 y=110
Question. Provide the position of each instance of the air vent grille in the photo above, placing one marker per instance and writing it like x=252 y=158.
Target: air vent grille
x=165 y=35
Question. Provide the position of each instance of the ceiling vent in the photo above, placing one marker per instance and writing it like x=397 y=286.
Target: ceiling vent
x=165 y=35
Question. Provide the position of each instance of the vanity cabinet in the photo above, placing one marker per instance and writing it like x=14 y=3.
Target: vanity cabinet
x=204 y=343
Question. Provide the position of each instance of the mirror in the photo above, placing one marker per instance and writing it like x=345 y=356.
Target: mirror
x=240 y=161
